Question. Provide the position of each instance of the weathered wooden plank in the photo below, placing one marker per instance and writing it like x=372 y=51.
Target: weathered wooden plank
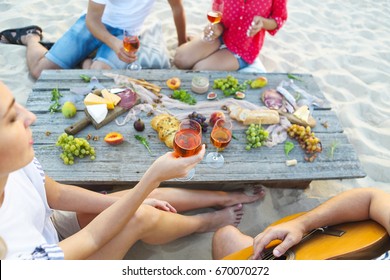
x=66 y=79
x=130 y=160
x=124 y=165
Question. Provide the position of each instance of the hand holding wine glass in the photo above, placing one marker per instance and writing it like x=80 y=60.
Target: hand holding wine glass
x=220 y=137
x=188 y=142
x=214 y=16
x=131 y=44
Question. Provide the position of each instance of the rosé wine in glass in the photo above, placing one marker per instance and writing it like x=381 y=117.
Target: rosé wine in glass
x=220 y=137
x=188 y=142
x=131 y=44
x=214 y=16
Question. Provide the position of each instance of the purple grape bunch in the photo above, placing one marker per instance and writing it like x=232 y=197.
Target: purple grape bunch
x=200 y=119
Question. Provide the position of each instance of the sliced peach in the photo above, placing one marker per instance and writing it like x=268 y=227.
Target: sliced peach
x=173 y=83
x=114 y=138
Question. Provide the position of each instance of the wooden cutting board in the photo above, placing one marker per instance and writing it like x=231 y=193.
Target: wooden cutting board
x=87 y=120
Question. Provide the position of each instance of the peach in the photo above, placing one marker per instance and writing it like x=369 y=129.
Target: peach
x=173 y=83
x=216 y=116
x=114 y=138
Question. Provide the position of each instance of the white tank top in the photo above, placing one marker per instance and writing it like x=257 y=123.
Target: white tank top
x=25 y=214
x=126 y=14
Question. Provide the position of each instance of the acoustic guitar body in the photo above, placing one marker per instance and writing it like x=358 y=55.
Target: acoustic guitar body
x=359 y=240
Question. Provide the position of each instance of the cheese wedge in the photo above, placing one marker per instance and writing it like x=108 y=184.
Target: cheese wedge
x=93 y=99
x=302 y=113
x=110 y=96
x=98 y=112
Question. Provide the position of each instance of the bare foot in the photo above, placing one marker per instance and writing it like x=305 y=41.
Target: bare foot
x=248 y=195
x=228 y=216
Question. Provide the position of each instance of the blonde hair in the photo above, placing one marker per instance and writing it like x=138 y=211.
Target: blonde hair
x=3 y=248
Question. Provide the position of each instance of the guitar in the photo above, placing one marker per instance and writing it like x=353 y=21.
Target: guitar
x=348 y=241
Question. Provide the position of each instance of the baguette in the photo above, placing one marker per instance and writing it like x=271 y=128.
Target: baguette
x=243 y=115
x=261 y=116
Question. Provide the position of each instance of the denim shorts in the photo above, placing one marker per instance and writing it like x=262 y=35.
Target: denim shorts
x=78 y=43
x=241 y=63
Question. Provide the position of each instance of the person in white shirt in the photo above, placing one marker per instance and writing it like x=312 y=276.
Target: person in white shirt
x=100 y=29
x=43 y=219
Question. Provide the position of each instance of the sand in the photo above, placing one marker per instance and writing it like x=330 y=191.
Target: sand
x=344 y=45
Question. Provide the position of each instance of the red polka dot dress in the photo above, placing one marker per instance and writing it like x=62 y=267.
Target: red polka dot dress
x=237 y=17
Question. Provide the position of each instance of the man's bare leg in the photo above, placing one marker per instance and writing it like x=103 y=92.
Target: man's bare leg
x=99 y=65
x=228 y=240
x=36 y=60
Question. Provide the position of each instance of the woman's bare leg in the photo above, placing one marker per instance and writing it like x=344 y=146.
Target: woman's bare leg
x=185 y=200
x=154 y=226
x=188 y=54
x=221 y=60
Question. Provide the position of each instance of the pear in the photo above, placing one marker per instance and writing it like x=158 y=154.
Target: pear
x=259 y=82
x=69 y=109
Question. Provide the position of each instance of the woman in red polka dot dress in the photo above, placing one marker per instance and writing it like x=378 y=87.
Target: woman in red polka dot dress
x=238 y=38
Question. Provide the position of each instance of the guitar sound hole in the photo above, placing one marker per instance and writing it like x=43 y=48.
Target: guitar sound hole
x=281 y=258
x=289 y=255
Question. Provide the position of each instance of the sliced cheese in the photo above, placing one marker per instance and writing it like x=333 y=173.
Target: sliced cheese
x=98 y=112
x=117 y=90
x=302 y=113
x=93 y=99
x=111 y=97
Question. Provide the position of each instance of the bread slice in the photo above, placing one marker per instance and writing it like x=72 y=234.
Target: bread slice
x=169 y=140
x=156 y=119
x=234 y=111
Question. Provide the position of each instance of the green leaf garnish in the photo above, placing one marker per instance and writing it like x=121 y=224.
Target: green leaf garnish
x=144 y=142
x=85 y=78
x=183 y=96
x=332 y=149
x=55 y=97
x=292 y=77
x=288 y=146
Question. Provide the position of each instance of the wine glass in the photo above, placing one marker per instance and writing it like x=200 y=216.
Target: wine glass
x=220 y=137
x=214 y=16
x=131 y=44
x=188 y=142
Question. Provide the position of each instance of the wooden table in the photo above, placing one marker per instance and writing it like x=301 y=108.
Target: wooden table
x=124 y=165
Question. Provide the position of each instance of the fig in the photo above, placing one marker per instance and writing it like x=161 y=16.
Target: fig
x=211 y=95
x=239 y=95
x=114 y=138
x=139 y=125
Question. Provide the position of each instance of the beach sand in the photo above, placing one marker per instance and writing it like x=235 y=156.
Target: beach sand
x=344 y=45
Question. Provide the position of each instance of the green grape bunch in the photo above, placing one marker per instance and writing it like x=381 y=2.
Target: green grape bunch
x=74 y=147
x=230 y=85
x=256 y=136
